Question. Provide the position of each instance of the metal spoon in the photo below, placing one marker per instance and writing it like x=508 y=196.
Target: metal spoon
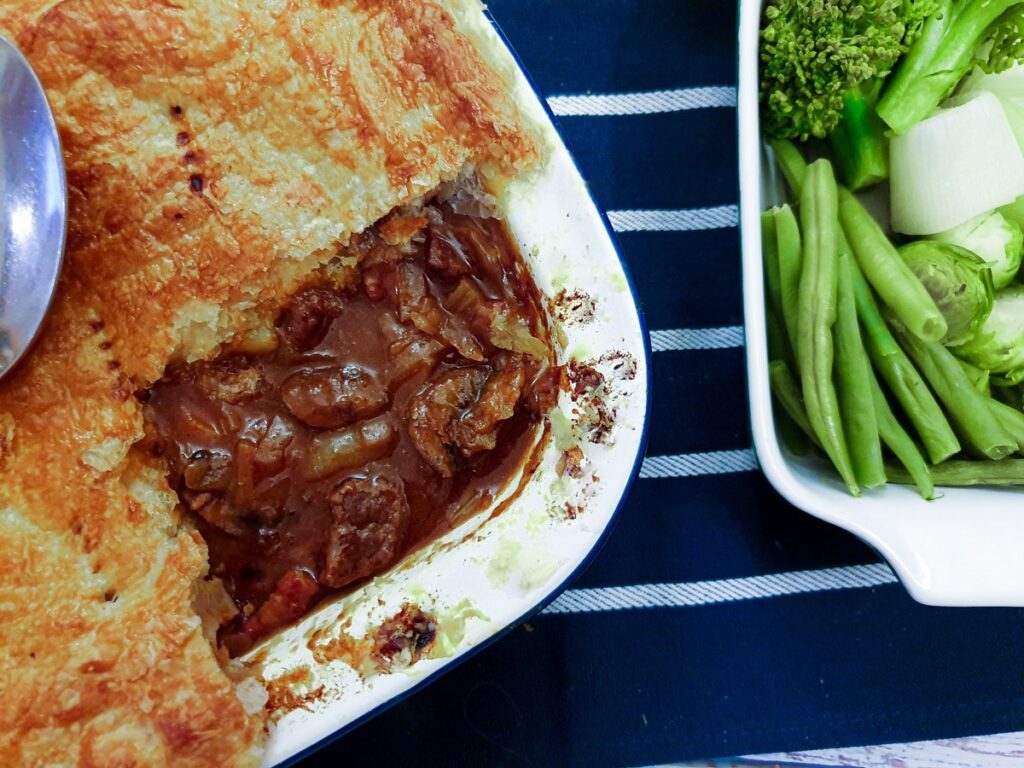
x=33 y=205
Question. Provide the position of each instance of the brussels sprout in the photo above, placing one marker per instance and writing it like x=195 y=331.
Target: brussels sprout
x=998 y=345
x=958 y=280
x=996 y=239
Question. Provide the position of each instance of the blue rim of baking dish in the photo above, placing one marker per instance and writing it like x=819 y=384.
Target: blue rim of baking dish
x=630 y=481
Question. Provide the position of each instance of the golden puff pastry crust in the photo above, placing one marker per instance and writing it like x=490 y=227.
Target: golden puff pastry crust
x=217 y=153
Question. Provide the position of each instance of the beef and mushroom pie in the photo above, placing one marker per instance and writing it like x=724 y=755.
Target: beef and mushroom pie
x=292 y=341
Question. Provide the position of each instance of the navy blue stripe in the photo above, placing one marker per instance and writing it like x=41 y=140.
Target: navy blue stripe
x=700 y=402
x=647 y=687
x=669 y=160
x=686 y=279
x=602 y=46
x=728 y=526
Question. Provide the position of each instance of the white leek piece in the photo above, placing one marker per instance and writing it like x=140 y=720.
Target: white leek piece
x=957 y=164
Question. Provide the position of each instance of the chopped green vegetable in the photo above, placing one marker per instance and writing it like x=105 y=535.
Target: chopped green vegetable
x=859 y=143
x=959 y=163
x=787 y=392
x=819 y=220
x=969 y=409
x=820 y=68
x=787 y=234
x=998 y=345
x=949 y=44
x=902 y=377
x=1011 y=418
x=959 y=281
x=995 y=239
x=901 y=444
x=967 y=473
x=853 y=382
x=791 y=162
x=888 y=274
x=981 y=378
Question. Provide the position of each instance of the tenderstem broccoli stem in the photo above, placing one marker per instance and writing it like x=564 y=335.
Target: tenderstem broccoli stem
x=937 y=60
x=970 y=410
x=889 y=275
x=817 y=313
x=858 y=141
x=902 y=377
x=900 y=443
x=856 y=401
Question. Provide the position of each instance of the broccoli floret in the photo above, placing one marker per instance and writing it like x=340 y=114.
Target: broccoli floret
x=1005 y=43
x=958 y=35
x=821 y=65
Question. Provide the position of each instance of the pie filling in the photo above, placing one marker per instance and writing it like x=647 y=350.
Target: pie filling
x=381 y=409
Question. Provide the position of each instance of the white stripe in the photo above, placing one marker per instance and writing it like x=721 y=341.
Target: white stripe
x=693 y=464
x=645 y=103
x=681 y=595
x=682 y=220
x=676 y=339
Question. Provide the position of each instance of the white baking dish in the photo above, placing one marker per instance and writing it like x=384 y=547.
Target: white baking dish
x=961 y=550
x=491 y=573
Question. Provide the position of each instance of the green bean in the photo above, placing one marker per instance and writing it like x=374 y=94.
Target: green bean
x=770 y=249
x=791 y=162
x=856 y=401
x=969 y=408
x=817 y=313
x=787 y=392
x=979 y=377
x=787 y=233
x=900 y=443
x=895 y=282
x=902 y=377
x=966 y=472
x=778 y=343
x=1009 y=395
x=1011 y=419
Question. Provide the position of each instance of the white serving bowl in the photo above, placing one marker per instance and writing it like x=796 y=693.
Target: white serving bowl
x=492 y=572
x=964 y=549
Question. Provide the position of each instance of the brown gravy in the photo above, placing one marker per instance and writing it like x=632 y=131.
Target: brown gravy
x=378 y=416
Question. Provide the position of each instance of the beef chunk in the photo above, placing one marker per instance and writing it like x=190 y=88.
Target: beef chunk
x=230 y=380
x=436 y=408
x=303 y=323
x=445 y=256
x=368 y=518
x=477 y=429
x=458 y=413
x=334 y=397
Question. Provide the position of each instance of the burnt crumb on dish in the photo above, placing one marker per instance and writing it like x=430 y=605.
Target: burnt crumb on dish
x=195 y=183
x=591 y=385
x=404 y=639
x=574 y=308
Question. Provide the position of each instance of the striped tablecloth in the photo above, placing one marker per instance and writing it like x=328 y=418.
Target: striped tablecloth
x=718 y=620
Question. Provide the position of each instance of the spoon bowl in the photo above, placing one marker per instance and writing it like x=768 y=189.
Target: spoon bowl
x=33 y=205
